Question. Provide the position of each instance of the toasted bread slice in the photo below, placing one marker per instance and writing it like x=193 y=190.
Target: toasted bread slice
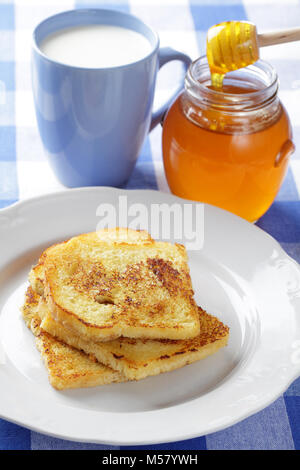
x=138 y=358
x=103 y=289
x=36 y=275
x=67 y=367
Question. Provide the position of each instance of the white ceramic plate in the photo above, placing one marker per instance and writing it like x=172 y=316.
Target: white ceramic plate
x=241 y=275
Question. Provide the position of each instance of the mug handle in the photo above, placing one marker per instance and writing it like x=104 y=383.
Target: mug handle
x=166 y=54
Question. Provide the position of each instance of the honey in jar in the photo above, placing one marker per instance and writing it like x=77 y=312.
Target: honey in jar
x=228 y=147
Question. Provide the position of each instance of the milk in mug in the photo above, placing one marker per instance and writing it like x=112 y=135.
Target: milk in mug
x=96 y=46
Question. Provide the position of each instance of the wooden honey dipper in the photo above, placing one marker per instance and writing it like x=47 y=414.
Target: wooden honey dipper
x=235 y=44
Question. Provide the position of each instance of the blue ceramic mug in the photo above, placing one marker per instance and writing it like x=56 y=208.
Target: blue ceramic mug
x=93 y=121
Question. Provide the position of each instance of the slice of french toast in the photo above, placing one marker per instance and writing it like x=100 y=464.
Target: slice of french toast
x=36 y=274
x=138 y=358
x=67 y=367
x=109 y=284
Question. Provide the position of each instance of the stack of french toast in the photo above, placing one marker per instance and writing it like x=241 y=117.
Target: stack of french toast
x=116 y=305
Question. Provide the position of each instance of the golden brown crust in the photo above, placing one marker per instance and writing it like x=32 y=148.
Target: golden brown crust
x=139 y=358
x=133 y=358
x=67 y=366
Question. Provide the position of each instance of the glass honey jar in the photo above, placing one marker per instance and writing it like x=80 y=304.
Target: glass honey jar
x=229 y=148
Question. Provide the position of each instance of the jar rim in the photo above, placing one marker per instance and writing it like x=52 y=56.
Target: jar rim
x=234 y=100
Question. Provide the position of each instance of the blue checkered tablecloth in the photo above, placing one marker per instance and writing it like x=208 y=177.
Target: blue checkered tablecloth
x=24 y=171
